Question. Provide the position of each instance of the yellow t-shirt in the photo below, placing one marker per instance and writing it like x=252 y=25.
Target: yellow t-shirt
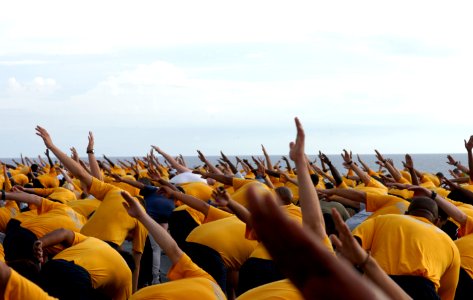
x=10 y=210
x=84 y=206
x=19 y=287
x=224 y=233
x=385 y=204
x=294 y=212
x=111 y=222
x=2 y=253
x=281 y=290
x=409 y=245
x=241 y=187
x=198 y=190
x=188 y=282
x=51 y=216
x=26 y=215
x=60 y=194
x=108 y=270
x=195 y=214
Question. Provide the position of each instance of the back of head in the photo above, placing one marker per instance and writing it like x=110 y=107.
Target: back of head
x=423 y=207
x=315 y=179
x=285 y=195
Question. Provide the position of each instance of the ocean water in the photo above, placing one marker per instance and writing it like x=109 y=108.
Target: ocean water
x=423 y=162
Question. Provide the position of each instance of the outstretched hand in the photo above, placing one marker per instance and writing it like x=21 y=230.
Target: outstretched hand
x=90 y=146
x=345 y=243
x=132 y=206
x=43 y=133
x=221 y=196
x=38 y=251
x=469 y=144
x=347 y=157
x=296 y=149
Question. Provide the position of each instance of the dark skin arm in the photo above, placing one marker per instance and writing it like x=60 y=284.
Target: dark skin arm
x=223 y=199
x=230 y=164
x=58 y=236
x=288 y=164
x=228 y=180
x=335 y=174
x=133 y=183
x=409 y=165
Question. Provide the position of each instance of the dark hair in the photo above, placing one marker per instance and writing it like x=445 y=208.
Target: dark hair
x=128 y=259
x=315 y=179
x=26 y=268
x=37 y=184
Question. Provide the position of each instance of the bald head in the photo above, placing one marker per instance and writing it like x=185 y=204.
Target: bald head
x=285 y=195
x=423 y=207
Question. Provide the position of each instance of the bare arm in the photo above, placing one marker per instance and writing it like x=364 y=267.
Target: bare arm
x=180 y=168
x=189 y=200
x=348 y=162
x=387 y=164
x=68 y=162
x=469 y=147
x=94 y=166
x=336 y=175
x=24 y=197
x=309 y=201
x=269 y=164
x=133 y=183
x=354 y=195
x=222 y=197
x=159 y=234
x=204 y=159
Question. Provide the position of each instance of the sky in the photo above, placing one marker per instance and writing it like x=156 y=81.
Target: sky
x=232 y=75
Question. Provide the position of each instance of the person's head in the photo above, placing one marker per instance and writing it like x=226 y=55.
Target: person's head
x=37 y=184
x=424 y=207
x=284 y=194
x=440 y=175
x=315 y=179
x=26 y=268
x=34 y=168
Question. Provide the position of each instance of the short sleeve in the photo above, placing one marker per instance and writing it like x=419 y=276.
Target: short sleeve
x=186 y=268
x=467 y=228
x=47 y=205
x=99 y=189
x=375 y=202
x=216 y=214
x=139 y=237
x=78 y=238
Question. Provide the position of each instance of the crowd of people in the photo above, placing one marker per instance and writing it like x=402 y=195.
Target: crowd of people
x=97 y=229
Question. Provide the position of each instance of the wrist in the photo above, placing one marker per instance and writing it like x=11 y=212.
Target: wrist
x=90 y=151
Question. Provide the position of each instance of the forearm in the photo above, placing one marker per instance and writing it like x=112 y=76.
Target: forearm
x=351 y=194
x=240 y=211
x=24 y=197
x=374 y=272
x=393 y=171
x=361 y=174
x=193 y=202
x=228 y=180
x=179 y=168
x=162 y=237
x=133 y=183
x=345 y=201
x=451 y=210
x=336 y=175
x=414 y=178
x=59 y=236
x=72 y=166
x=94 y=166
x=268 y=182
x=470 y=163
x=136 y=271
x=309 y=201
x=269 y=164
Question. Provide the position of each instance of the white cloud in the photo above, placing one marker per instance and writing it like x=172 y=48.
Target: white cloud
x=38 y=86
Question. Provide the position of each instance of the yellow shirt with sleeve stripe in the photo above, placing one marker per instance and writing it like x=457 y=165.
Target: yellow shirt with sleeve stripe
x=111 y=222
x=188 y=282
x=385 y=204
x=410 y=245
x=224 y=233
x=107 y=269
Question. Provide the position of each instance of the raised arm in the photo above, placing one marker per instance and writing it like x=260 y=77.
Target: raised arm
x=335 y=174
x=269 y=164
x=348 y=163
x=469 y=147
x=94 y=166
x=448 y=207
x=309 y=201
x=58 y=236
x=189 y=200
x=228 y=180
x=349 y=248
x=159 y=234
x=179 y=168
x=223 y=199
x=457 y=164
x=351 y=194
x=228 y=161
x=133 y=183
x=288 y=164
x=409 y=165
x=387 y=164
x=23 y=197
x=204 y=159
x=68 y=162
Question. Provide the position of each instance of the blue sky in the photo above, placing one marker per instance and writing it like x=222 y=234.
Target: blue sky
x=227 y=75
